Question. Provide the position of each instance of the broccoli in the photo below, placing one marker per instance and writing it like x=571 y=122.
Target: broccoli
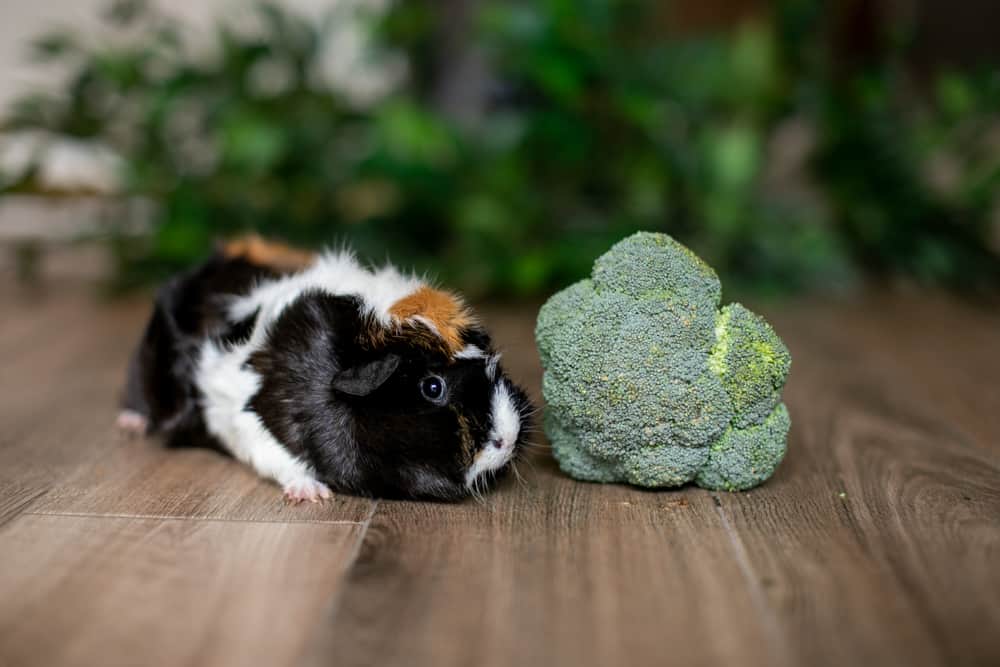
x=648 y=381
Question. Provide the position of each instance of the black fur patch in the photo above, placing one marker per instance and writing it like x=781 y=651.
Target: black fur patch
x=478 y=337
x=188 y=310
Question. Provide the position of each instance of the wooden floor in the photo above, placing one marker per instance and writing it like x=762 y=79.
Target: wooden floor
x=876 y=543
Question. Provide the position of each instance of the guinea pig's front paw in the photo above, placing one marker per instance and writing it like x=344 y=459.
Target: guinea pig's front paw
x=306 y=488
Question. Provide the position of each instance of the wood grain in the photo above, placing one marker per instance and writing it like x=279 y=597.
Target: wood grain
x=550 y=573
x=142 y=478
x=934 y=354
x=877 y=541
x=57 y=394
x=102 y=591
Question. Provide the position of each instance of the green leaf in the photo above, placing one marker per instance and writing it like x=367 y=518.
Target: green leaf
x=734 y=155
x=955 y=94
x=412 y=135
x=252 y=142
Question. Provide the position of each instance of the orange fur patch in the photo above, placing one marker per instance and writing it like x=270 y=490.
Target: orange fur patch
x=444 y=311
x=272 y=254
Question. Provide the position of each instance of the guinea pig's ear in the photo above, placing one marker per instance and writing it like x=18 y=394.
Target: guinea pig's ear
x=365 y=378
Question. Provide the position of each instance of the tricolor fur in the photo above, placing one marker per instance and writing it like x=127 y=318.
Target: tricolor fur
x=307 y=369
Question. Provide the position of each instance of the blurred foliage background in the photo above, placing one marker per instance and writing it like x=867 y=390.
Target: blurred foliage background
x=799 y=149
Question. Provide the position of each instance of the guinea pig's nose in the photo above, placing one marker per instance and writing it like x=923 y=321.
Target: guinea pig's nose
x=498 y=443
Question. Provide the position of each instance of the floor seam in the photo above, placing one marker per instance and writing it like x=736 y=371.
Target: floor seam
x=330 y=617
x=174 y=517
x=352 y=560
x=757 y=596
x=356 y=552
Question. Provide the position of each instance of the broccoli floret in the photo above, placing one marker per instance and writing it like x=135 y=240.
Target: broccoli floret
x=647 y=381
x=744 y=457
x=751 y=361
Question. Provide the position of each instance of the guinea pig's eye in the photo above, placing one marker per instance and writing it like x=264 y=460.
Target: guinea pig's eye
x=433 y=388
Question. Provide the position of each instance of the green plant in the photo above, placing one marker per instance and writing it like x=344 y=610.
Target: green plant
x=241 y=138
x=923 y=202
x=647 y=381
x=603 y=127
x=611 y=129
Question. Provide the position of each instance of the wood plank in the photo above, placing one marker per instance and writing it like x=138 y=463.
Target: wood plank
x=55 y=342
x=50 y=351
x=142 y=478
x=26 y=317
x=551 y=573
x=100 y=591
x=878 y=538
x=56 y=397
x=938 y=353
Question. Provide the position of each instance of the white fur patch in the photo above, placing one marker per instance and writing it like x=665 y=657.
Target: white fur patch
x=491 y=366
x=227 y=385
x=427 y=323
x=506 y=427
x=470 y=352
x=336 y=273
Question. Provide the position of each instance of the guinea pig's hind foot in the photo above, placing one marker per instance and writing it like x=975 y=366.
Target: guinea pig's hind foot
x=306 y=488
x=131 y=424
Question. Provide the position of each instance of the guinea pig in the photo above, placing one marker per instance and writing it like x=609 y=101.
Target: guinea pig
x=322 y=374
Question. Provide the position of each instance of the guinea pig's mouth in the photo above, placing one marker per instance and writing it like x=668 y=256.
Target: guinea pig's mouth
x=491 y=459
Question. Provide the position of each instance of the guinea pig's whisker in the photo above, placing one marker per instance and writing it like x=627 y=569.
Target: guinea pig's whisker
x=477 y=492
x=517 y=475
x=532 y=445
